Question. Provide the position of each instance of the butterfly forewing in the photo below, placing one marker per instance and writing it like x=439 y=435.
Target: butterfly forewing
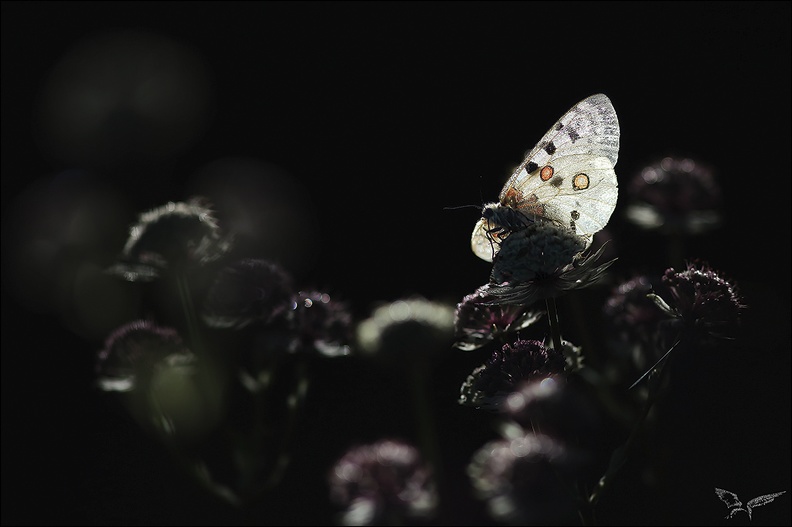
x=568 y=177
x=590 y=127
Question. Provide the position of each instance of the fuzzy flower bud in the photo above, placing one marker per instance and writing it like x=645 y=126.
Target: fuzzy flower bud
x=247 y=291
x=382 y=484
x=675 y=196
x=479 y=320
x=704 y=300
x=526 y=480
x=493 y=381
x=175 y=235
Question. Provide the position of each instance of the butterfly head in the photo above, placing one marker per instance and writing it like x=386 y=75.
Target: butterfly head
x=505 y=217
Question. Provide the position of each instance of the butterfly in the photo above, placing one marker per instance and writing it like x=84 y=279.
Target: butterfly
x=735 y=505
x=567 y=178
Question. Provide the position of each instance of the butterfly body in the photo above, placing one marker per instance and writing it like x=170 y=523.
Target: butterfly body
x=503 y=220
x=567 y=178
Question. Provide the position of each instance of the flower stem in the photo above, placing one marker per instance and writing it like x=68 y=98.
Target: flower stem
x=189 y=311
x=619 y=456
x=426 y=431
x=555 y=327
x=295 y=403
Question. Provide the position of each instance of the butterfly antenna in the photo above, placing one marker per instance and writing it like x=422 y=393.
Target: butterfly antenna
x=461 y=207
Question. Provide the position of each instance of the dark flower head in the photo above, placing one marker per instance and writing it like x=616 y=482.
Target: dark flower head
x=176 y=235
x=405 y=329
x=130 y=352
x=538 y=250
x=628 y=309
x=493 y=381
x=167 y=390
x=382 y=483
x=633 y=319
x=675 y=196
x=527 y=480
x=581 y=272
x=322 y=324
x=479 y=320
x=246 y=292
x=553 y=407
x=706 y=302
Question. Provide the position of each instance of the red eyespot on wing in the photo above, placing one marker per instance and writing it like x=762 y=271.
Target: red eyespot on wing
x=513 y=198
x=546 y=173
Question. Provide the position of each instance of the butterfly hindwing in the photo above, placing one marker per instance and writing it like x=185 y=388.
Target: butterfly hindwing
x=582 y=193
x=481 y=242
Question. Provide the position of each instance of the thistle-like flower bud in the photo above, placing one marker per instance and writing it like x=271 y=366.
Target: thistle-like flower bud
x=675 y=196
x=479 y=319
x=553 y=407
x=248 y=291
x=527 y=480
x=174 y=236
x=166 y=388
x=579 y=272
x=635 y=323
x=405 y=329
x=321 y=324
x=490 y=384
x=707 y=303
x=382 y=484
x=130 y=352
x=538 y=250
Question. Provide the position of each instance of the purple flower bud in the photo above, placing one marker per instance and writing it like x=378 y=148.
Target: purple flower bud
x=675 y=196
x=381 y=483
x=322 y=324
x=479 y=320
x=553 y=407
x=132 y=350
x=490 y=384
x=527 y=286
x=527 y=480
x=248 y=291
x=705 y=301
x=635 y=325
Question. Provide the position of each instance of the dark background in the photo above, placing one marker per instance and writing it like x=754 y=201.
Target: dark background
x=368 y=119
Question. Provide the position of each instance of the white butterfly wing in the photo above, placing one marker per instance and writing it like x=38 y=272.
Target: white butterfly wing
x=480 y=242
x=729 y=498
x=581 y=194
x=584 y=141
x=590 y=127
x=763 y=500
x=579 y=189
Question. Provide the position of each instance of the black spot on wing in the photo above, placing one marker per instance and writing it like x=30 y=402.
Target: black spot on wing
x=557 y=181
x=573 y=134
x=550 y=148
x=559 y=126
x=531 y=167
